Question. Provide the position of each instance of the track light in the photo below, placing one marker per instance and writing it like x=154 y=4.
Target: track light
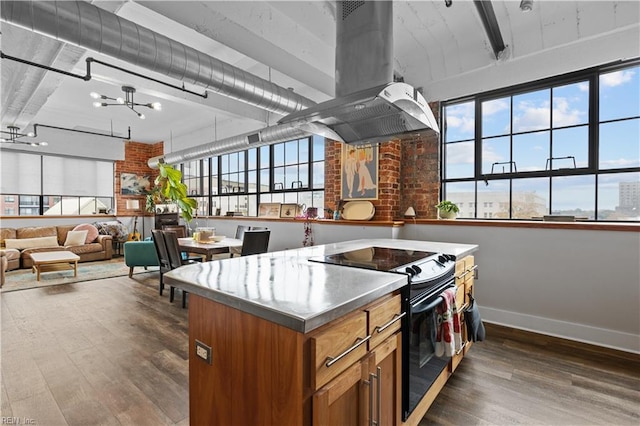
x=127 y=101
x=14 y=135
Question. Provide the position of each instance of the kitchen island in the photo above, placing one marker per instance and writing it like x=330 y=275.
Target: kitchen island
x=261 y=329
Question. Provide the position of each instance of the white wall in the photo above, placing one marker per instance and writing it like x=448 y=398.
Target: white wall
x=579 y=284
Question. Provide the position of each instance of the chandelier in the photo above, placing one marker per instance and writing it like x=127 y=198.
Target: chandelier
x=14 y=135
x=126 y=101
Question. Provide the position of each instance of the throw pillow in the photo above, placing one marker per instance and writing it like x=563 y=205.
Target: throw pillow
x=28 y=243
x=92 y=231
x=75 y=238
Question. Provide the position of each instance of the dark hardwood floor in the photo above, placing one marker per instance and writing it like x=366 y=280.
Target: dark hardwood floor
x=114 y=352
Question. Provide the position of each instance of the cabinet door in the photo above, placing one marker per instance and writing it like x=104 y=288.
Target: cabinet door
x=386 y=378
x=346 y=399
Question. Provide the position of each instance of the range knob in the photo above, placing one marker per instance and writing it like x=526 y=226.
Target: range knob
x=416 y=269
x=442 y=258
x=410 y=271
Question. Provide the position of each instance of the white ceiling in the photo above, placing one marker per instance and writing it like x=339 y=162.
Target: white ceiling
x=443 y=50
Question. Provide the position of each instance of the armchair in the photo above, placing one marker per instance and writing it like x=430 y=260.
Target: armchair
x=140 y=253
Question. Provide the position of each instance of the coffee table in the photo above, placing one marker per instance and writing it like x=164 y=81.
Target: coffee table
x=54 y=261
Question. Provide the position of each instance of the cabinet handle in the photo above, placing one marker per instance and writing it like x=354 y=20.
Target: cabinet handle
x=396 y=317
x=331 y=360
x=462 y=275
x=378 y=397
x=465 y=273
x=370 y=383
x=378 y=379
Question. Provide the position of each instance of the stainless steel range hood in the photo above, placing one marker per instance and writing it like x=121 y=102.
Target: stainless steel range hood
x=369 y=106
x=378 y=114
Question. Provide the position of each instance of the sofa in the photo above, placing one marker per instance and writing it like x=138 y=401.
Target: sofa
x=18 y=243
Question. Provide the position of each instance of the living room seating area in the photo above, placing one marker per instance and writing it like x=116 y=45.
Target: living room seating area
x=83 y=240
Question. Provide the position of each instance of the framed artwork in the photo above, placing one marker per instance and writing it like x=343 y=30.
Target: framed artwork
x=290 y=210
x=132 y=184
x=359 y=177
x=269 y=210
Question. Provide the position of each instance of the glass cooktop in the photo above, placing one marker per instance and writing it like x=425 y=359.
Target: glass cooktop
x=379 y=258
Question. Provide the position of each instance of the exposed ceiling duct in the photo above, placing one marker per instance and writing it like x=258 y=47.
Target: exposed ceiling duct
x=93 y=28
x=370 y=107
x=266 y=136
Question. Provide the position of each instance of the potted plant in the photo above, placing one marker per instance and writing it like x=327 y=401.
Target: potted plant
x=447 y=210
x=169 y=188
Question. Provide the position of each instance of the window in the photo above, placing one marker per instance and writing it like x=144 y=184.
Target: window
x=565 y=146
x=288 y=172
x=72 y=186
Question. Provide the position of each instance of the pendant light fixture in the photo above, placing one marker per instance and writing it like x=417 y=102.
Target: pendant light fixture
x=14 y=134
x=126 y=101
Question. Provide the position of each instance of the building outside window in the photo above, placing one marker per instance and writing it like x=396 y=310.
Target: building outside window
x=564 y=146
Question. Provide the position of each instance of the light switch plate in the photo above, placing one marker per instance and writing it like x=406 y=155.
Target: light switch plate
x=203 y=351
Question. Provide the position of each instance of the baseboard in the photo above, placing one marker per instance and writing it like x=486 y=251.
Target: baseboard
x=613 y=339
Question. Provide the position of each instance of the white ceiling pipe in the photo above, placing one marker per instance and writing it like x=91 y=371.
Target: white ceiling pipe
x=96 y=29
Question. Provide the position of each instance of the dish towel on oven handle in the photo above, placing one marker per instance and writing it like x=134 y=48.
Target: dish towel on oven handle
x=448 y=337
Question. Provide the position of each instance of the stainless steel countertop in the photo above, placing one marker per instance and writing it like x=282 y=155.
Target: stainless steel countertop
x=287 y=289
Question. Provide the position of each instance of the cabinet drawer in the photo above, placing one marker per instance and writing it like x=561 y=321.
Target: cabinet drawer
x=384 y=320
x=338 y=347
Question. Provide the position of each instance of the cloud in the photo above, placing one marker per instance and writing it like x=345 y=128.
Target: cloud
x=492 y=107
x=490 y=155
x=617 y=78
x=464 y=124
x=536 y=117
x=461 y=117
x=532 y=117
x=563 y=115
x=620 y=162
x=460 y=153
x=583 y=87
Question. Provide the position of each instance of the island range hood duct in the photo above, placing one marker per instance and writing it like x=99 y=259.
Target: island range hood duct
x=369 y=107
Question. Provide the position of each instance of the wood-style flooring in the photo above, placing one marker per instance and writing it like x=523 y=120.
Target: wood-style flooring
x=113 y=351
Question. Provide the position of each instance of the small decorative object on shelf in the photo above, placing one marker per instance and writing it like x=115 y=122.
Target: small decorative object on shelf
x=308 y=234
x=447 y=210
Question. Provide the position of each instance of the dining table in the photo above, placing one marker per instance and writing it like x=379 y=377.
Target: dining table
x=209 y=249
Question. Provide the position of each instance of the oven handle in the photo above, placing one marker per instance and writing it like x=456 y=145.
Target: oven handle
x=396 y=317
x=359 y=341
x=431 y=305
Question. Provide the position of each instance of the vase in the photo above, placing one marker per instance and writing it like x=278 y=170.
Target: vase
x=446 y=215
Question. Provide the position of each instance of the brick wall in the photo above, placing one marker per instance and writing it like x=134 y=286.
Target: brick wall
x=136 y=155
x=408 y=175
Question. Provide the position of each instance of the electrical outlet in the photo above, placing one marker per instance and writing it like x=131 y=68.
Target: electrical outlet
x=203 y=351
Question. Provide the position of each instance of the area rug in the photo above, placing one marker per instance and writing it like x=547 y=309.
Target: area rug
x=23 y=279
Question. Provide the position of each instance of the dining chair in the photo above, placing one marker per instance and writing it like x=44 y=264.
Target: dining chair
x=240 y=230
x=181 y=232
x=255 y=242
x=176 y=260
x=163 y=255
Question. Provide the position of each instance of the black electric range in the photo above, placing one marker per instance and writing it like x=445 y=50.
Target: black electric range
x=424 y=269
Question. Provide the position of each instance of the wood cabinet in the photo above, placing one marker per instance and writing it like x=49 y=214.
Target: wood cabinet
x=348 y=371
x=465 y=274
x=367 y=390
x=264 y=373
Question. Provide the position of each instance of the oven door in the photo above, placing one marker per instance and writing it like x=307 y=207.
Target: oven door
x=421 y=367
